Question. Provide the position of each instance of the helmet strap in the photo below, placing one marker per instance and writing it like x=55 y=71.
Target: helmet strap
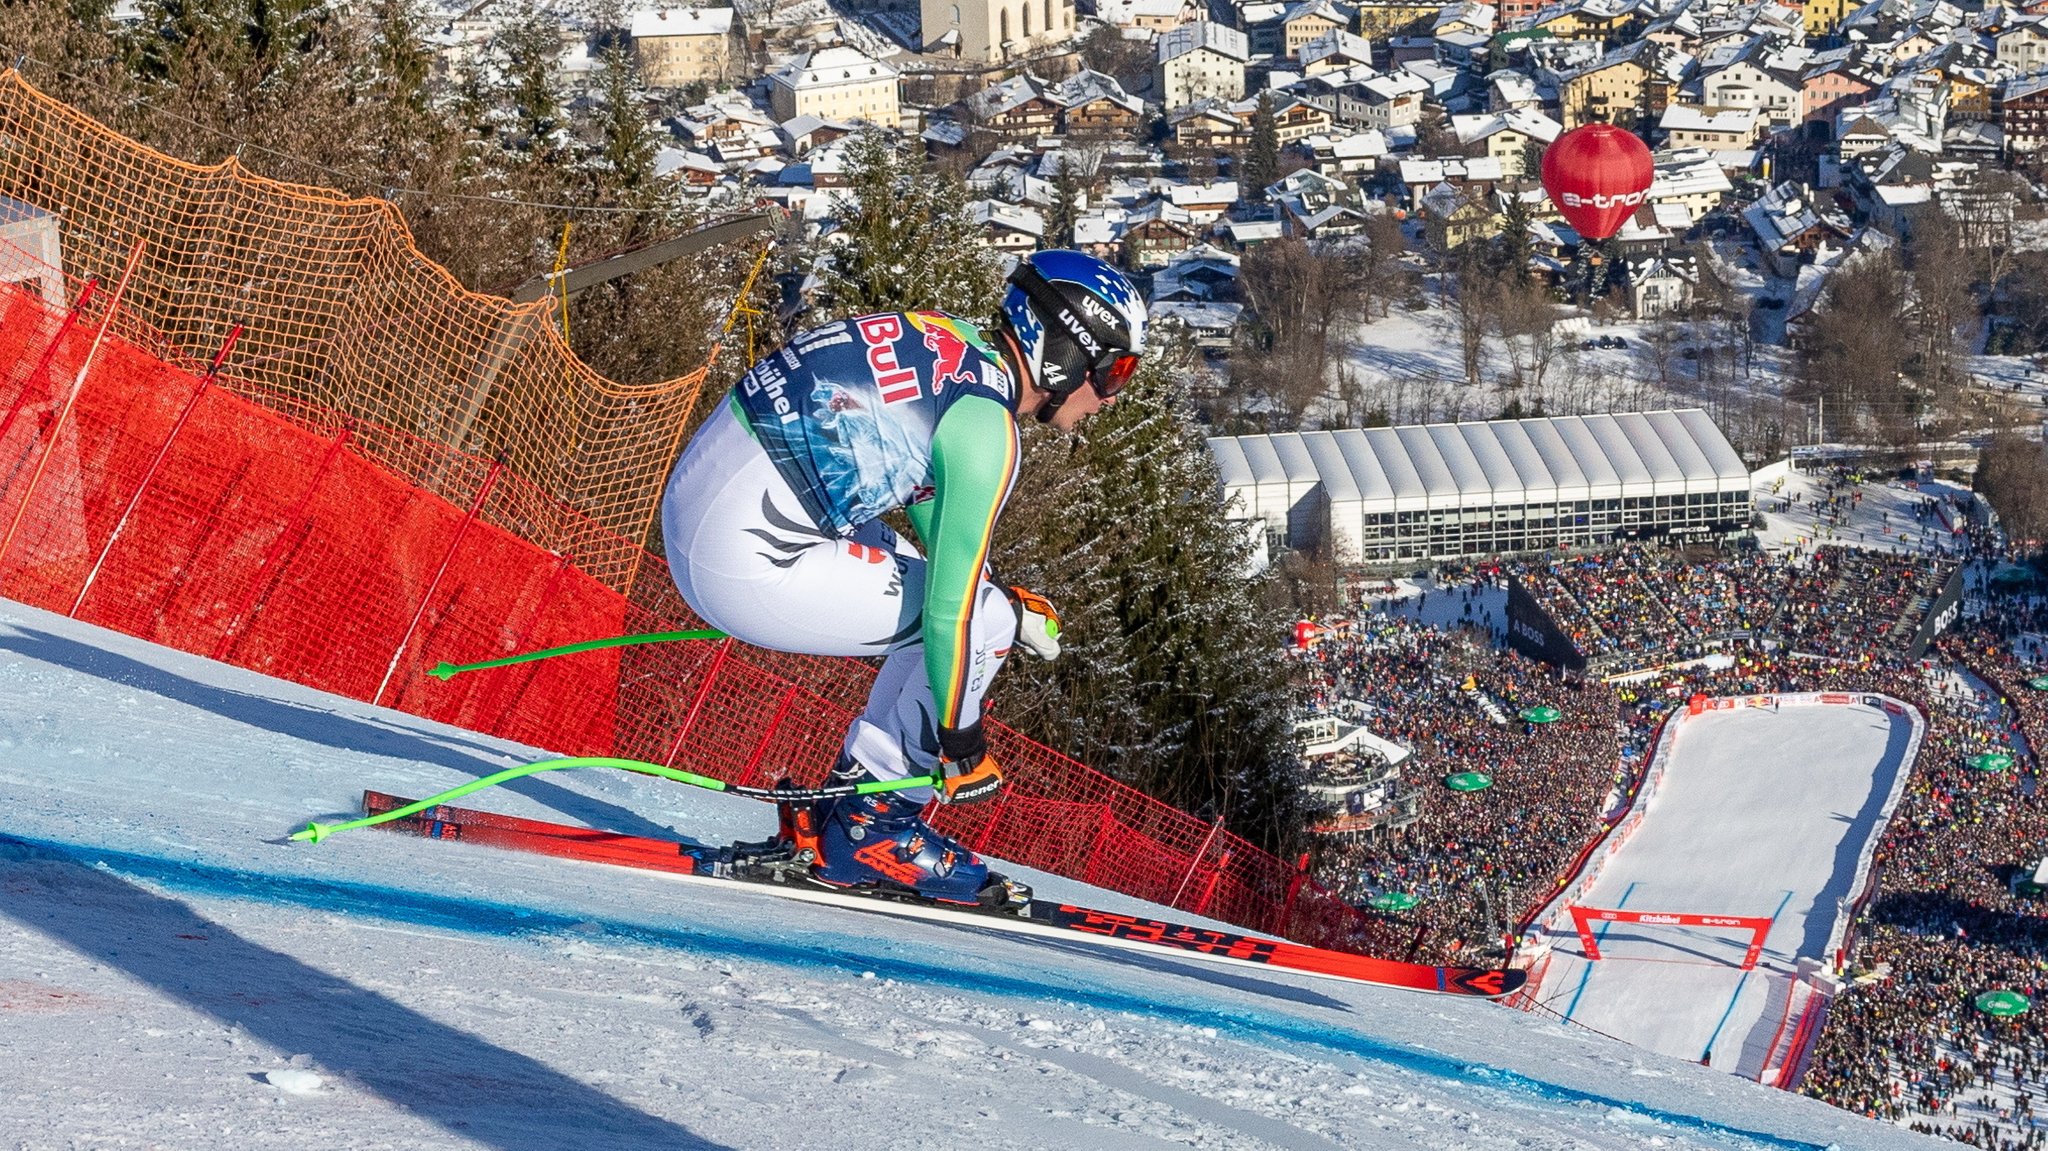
x=1022 y=369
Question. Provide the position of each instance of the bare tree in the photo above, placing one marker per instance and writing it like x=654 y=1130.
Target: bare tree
x=1302 y=297
x=1855 y=348
x=1944 y=311
x=2012 y=473
x=1474 y=304
x=1526 y=318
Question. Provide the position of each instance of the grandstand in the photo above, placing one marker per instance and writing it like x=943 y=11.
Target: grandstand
x=1388 y=496
x=1638 y=609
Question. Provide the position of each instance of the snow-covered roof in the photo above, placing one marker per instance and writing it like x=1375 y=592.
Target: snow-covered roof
x=1783 y=214
x=1217 y=192
x=1512 y=87
x=1253 y=231
x=1098 y=227
x=1480 y=464
x=1395 y=85
x=1318 y=9
x=670 y=161
x=680 y=21
x=1692 y=173
x=1001 y=215
x=1687 y=118
x=829 y=66
x=1200 y=35
x=1122 y=12
x=1005 y=96
x=1528 y=123
x=1087 y=86
x=1450 y=168
x=1470 y=13
x=1200 y=315
x=1335 y=44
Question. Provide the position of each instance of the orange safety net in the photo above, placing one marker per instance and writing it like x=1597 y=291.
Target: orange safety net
x=300 y=519
x=342 y=314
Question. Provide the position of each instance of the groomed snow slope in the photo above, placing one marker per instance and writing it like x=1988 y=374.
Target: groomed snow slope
x=1761 y=813
x=173 y=975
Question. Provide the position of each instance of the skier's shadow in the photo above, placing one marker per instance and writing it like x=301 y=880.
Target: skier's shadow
x=367 y=736
x=479 y=1093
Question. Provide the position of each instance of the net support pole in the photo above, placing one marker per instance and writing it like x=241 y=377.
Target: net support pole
x=50 y=350
x=476 y=507
x=35 y=478
x=246 y=611
x=697 y=704
x=155 y=465
x=1195 y=864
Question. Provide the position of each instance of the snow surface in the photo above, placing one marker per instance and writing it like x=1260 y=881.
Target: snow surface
x=1761 y=813
x=174 y=974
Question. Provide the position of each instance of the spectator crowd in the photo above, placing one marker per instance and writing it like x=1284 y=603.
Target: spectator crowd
x=1949 y=912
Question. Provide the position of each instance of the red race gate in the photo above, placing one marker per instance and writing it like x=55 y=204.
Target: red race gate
x=1585 y=918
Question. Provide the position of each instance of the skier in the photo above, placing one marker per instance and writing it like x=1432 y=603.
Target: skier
x=771 y=526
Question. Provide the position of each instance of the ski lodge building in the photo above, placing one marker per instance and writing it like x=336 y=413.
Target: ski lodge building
x=1427 y=492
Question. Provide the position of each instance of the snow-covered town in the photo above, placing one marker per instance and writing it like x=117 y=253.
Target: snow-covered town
x=1174 y=139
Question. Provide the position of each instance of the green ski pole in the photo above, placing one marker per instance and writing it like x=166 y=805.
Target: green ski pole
x=446 y=671
x=315 y=832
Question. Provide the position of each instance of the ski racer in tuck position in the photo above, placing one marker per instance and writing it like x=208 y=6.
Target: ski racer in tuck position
x=770 y=519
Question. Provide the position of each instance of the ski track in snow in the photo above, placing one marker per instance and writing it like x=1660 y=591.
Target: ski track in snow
x=177 y=976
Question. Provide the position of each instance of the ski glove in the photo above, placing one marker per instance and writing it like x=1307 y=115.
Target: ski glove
x=967 y=772
x=1038 y=625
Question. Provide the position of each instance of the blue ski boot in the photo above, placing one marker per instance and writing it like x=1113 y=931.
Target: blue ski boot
x=879 y=845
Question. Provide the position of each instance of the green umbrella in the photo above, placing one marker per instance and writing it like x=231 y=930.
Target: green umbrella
x=2003 y=1004
x=1394 y=901
x=1990 y=761
x=1468 y=781
x=1542 y=714
x=2039 y=683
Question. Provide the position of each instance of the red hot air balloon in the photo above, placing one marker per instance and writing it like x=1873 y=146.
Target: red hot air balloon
x=1597 y=175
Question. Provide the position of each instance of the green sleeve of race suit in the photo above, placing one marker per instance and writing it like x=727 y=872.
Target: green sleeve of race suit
x=920 y=520
x=974 y=462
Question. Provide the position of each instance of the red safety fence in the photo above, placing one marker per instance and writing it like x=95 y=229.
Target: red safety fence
x=260 y=532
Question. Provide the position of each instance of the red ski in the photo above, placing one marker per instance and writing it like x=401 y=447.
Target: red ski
x=1041 y=917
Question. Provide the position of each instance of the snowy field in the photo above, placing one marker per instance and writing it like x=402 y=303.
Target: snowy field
x=1762 y=813
x=174 y=975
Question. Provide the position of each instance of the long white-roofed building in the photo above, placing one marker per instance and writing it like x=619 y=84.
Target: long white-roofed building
x=1448 y=491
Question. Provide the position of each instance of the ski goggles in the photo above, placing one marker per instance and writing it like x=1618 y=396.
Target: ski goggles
x=1110 y=365
x=1107 y=382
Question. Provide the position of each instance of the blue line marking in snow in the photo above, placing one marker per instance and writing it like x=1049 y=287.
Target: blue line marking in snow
x=1733 y=999
x=504 y=920
x=1725 y=1013
x=1586 y=970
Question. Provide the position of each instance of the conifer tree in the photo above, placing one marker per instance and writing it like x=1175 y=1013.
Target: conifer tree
x=904 y=240
x=1066 y=205
x=1174 y=680
x=529 y=49
x=402 y=62
x=1513 y=247
x=626 y=142
x=1262 y=155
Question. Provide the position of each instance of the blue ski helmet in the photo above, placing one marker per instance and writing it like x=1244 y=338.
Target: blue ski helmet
x=1076 y=321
